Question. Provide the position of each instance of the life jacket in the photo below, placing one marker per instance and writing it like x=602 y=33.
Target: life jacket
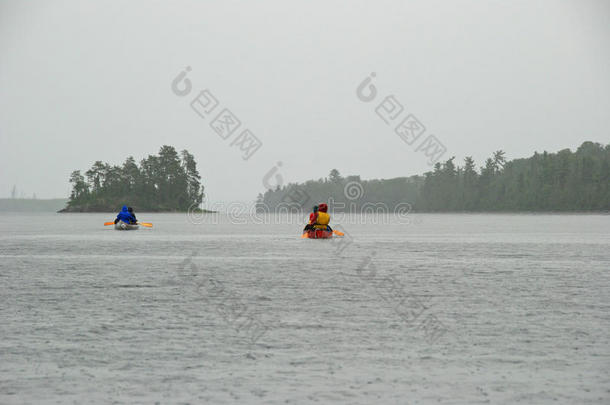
x=323 y=220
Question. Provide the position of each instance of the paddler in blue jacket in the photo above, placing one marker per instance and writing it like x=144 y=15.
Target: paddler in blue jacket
x=125 y=216
x=132 y=214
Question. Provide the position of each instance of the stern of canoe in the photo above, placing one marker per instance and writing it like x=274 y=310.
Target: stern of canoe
x=317 y=234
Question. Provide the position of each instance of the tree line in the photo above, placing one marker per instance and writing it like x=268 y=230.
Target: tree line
x=562 y=181
x=165 y=182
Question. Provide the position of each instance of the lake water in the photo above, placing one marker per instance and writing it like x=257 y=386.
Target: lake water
x=436 y=309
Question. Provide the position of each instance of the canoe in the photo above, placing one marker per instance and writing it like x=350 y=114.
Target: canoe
x=318 y=234
x=124 y=226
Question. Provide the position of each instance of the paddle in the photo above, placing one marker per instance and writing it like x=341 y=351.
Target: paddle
x=147 y=224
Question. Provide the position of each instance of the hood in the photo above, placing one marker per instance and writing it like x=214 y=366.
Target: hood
x=124 y=209
x=323 y=207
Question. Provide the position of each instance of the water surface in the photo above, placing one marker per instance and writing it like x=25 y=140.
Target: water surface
x=443 y=309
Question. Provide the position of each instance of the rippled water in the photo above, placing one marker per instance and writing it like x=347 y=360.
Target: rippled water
x=446 y=308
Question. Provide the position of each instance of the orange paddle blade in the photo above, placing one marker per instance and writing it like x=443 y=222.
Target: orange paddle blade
x=108 y=223
x=338 y=233
x=305 y=236
x=147 y=224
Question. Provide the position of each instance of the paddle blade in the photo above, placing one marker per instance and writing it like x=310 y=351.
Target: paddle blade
x=108 y=223
x=305 y=236
x=146 y=224
x=338 y=233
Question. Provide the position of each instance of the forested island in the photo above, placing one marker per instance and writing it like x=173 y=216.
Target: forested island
x=562 y=181
x=167 y=182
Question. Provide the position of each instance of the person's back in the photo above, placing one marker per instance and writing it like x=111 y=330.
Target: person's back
x=134 y=219
x=323 y=218
x=125 y=216
x=313 y=217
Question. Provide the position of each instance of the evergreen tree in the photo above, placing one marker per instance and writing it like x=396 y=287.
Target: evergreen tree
x=563 y=181
x=334 y=176
x=163 y=182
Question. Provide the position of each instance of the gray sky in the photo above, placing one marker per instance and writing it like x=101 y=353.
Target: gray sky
x=84 y=81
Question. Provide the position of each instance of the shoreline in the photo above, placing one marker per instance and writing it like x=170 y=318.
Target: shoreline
x=603 y=212
x=198 y=211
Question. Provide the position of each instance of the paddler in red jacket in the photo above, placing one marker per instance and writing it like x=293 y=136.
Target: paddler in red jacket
x=313 y=217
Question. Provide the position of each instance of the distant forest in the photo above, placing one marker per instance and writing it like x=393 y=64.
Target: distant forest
x=31 y=205
x=562 y=181
x=163 y=182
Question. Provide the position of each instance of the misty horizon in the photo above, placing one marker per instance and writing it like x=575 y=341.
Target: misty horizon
x=22 y=194
x=84 y=82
